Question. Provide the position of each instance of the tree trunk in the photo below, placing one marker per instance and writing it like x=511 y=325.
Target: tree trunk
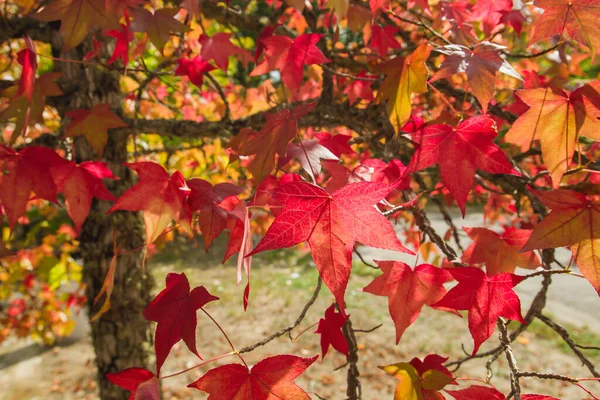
x=121 y=337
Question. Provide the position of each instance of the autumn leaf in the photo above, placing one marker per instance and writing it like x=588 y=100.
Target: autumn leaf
x=404 y=76
x=489 y=13
x=174 y=309
x=204 y=198
x=420 y=380
x=408 y=290
x=160 y=197
x=459 y=152
x=486 y=298
x=574 y=220
x=477 y=392
x=142 y=383
x=193 y=69
x=310 y=153
x=29 y=112
x=331 y=224
x=271 y=378
x=158 y=25
x=80 y=183
x=499 y=252
x=273 y=138
x=377 y=5
x=94 y=125
x=576 y=18
x=340 y=7
x=359 y=88
x=383 y=39
x=330 y=329
x=480 y=64
x=24 y=172
x=337 y=144
x=219 y=48
x=28 y=60
x=290 y=56
x=557 y=118
x=123 y=36
x=78 y=18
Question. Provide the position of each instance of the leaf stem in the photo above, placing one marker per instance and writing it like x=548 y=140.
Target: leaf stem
x=198 y=365
x=304 y=331
x=233 y=349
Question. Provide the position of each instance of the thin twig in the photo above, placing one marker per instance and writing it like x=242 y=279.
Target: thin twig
x=562 y=332
x=362 y=259
x=291 y=327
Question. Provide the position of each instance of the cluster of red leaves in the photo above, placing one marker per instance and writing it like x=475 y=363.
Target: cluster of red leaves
x=174 y=309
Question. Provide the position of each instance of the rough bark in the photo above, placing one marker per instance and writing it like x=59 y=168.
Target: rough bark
x=121 y=337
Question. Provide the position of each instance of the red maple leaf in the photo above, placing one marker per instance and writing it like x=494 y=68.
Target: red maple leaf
x=219 y=48
x=290 y=56
x=359 y=89
x=203 y=198
x=80 y=183
x=140 y=382
x=499 y=253
x=384 y=38
x=270 y=379
x=28 y=60
x=272 y=140
x=485 y=297
x=337 y=144
x=174 y=308
x=124 y=36
x=193 y=69
x=331 y=224
x=330 y=329
x=477 y=392
x=260 y=46
x=489 y=13
x=377 y=5
x=24 y=172
x=408 y=290
x=160 y=197
x=459 y=152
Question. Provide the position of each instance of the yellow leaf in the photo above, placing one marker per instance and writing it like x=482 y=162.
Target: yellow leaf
x=409 y=385
x=586 y=255
x=340 y=7
x=405 y=76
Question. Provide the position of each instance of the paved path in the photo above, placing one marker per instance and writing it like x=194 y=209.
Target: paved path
x=571 y=299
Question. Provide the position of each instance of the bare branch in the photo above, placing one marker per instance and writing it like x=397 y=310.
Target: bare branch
x=283 y=331
x=562 y=332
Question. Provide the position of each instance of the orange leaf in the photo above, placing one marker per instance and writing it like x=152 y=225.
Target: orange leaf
x=78 y=18
x=557 y=118
x=574 y=221
x=576 y=18
x=94 y=125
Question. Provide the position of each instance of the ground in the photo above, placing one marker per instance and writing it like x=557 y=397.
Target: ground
x=282 y=282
